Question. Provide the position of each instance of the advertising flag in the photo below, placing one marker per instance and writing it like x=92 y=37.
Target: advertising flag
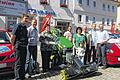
x=45 y=21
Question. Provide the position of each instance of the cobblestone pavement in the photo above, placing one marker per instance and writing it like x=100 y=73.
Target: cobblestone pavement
x=111 y=73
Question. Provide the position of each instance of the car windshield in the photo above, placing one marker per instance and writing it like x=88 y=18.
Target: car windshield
x=114 y=38
x=4 y=37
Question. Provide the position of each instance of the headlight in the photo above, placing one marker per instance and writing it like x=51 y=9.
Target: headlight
x=110 y=51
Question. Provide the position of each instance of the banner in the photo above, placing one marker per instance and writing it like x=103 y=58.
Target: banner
x=45 y=21
x=13 y=8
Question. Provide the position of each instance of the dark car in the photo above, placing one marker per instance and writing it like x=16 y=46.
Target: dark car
x=7 y=56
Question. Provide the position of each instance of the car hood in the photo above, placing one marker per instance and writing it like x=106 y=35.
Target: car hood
x=6 y=49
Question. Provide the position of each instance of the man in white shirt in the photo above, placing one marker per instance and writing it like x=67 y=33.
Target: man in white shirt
x=93 y=33
x=68 y=33
x=102 y=37
x=32 y=44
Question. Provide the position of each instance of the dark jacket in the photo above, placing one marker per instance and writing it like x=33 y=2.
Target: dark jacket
x=45 y=38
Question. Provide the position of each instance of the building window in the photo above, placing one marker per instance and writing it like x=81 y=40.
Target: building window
x=44 y=1
x=104 y=7
x=94 y=3
x=88 y=1
x=63 y=3
x=87 y=19
x=79 y=18
x=11 y=22
x=108 y=7
x=80 y=1
x=103 y=20
x=94 y=20
x=113 y=9
x=108 y=22
x=62 y=26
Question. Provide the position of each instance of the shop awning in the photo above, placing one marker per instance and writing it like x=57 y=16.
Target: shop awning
x=63 y=14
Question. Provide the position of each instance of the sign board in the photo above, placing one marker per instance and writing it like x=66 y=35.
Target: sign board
x=41 y=12
x=13 y=8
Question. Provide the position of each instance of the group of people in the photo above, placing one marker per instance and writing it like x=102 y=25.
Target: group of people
x=92 y=41
x=25 y=39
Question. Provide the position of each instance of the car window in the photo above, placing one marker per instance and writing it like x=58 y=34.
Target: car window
x=114 y=38
x=4 y=37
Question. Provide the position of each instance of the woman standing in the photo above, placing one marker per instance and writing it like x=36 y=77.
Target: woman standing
x=79 y=42
x=79 y=38
x=46 y=47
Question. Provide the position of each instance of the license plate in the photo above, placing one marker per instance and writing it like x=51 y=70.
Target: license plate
x=3 y=65
x=118 y=59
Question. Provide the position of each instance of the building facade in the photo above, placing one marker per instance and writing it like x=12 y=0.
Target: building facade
x=95 y=11
x=10 y=11
x=118 y=13
x=64 y=12
x=61 y=14
x=75 y=12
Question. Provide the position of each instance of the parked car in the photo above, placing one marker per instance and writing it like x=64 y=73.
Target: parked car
x=113 y=50
x=7 y=56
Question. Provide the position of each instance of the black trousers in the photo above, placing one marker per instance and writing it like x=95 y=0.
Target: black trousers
x=45 y=60
x=94 y=53
x=20 y=52
x=33 y=53
x=87 y=55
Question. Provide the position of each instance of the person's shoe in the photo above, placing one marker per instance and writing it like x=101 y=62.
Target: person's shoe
x=104 y=67
x=27 y=76
x=36 y=72
x=43 y=71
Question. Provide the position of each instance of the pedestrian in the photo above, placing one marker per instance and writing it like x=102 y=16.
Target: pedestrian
x=19 y=40
x=46 y=47
x=102 y=37
x=79 y=40
x=93 y=33
x=32 y=45
x=88 y=44
x=68 y=34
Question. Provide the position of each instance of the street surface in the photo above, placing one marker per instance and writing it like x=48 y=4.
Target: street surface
x=111 y=73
